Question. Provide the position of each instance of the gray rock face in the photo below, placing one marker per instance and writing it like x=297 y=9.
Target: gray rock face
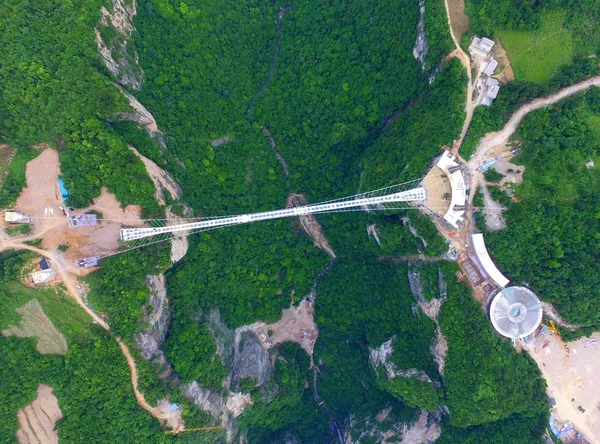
x=117 y=53
x=251 y=360
x=206 y=400
x=224 y=337
x=421 y=47
x=150 y=339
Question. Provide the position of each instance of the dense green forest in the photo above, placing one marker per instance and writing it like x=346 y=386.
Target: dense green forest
x=556 y=218
x=348 y=108
x=92 y=382
x=55 y=90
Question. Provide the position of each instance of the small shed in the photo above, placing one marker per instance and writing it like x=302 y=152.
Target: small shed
x=45 y=264
x=491 y=67
x=16 y=217
x=88 y=262
x=43 y=276
x=84 y=220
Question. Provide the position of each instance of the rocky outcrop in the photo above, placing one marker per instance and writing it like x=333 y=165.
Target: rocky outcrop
x=205 y=399
x=372 y=231
x=161 y=179
x=423 y=429
x=142 y=117
x=224 y=337
x=118 y=54
x=179 y=241
x=431 y=309
x=407 y=223
x=421 y=47
x=251 y=360
x=150 y=339
x=310 y=225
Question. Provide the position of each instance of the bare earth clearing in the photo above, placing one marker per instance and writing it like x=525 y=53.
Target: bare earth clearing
x=295 y=325
x=459 y=21
x=35 y=324
x=494 y=221
x=37 y=420
x=41 y=200
x=506 y=73
x=572 y=380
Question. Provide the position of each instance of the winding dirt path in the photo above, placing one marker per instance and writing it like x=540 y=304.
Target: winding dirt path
x=70 y=282
x=498 y=139
x=466 y=63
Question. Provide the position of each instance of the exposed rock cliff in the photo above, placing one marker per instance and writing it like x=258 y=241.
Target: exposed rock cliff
x=142 y=117
x=150 y=339
x=421 y=47
x=310 y=224
x=118 y=54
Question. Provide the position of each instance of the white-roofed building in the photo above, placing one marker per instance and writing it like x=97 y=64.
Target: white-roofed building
x=516 y=312
x=481 y=46
x=492 y=87
x=455 y=212
x=490 y=67
x=16 y=217
x=484 y=261
x=43 y=276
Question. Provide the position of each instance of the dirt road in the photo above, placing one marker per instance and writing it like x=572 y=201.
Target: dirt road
x=495 y=144
x=39 y=200
x=70 y=282
x=466 y=62
x=498 y=139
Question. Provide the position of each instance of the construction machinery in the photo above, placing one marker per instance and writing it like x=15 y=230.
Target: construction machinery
x=552 y=327
x=197 y=429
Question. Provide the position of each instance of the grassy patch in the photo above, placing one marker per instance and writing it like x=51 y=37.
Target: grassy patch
x=536 y=54
x=15 y=180
x=35 y=324
x=18 y=229
x=63 y=312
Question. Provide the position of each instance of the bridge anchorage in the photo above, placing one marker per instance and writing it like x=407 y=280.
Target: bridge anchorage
x=403 y=196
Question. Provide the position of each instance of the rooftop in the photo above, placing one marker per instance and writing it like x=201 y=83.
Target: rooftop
x=516 y=312
x=481 y=45
x=484 y=261
x=459 y=190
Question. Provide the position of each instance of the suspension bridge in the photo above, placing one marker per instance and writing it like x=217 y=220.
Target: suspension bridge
x=393 y=197
x=442 y=191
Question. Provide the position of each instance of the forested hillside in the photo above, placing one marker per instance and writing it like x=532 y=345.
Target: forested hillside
x=54 y=89
x=91 y=382
x=556 y=217
x=257 y=101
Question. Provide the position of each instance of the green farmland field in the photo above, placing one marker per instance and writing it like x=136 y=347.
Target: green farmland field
x=536 y=54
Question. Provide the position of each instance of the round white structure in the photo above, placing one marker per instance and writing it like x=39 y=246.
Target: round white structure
x=516 y=312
